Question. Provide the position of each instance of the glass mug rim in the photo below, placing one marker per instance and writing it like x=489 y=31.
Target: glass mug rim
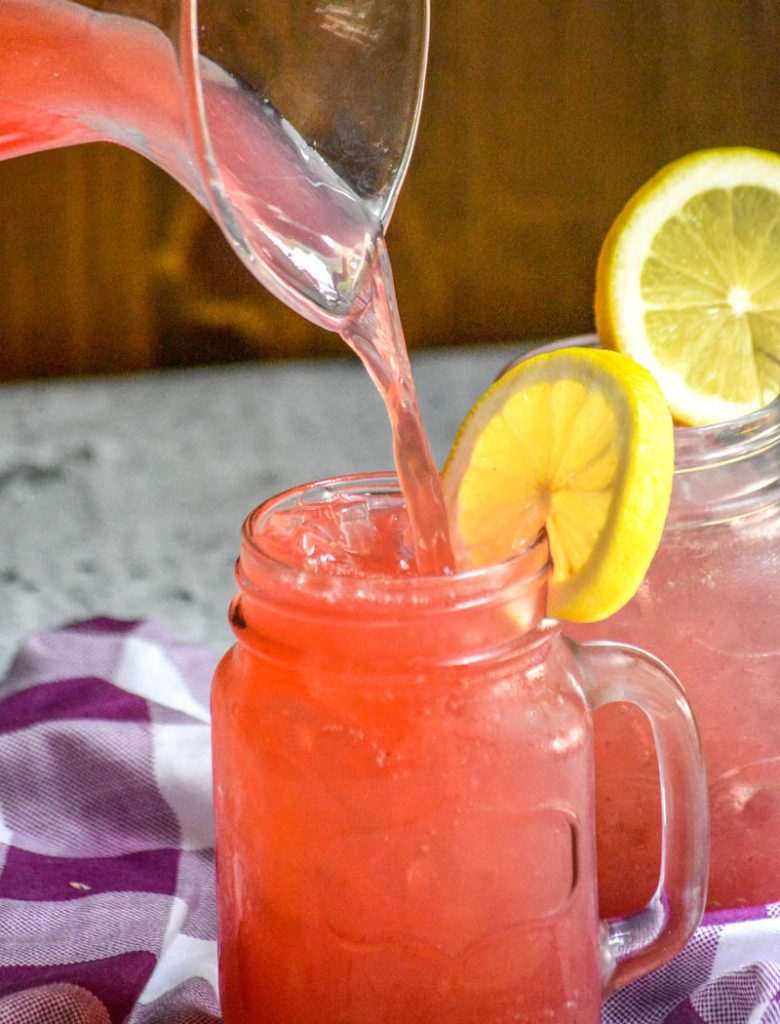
x=280 y=602
x=697 y=447
x=529 y=567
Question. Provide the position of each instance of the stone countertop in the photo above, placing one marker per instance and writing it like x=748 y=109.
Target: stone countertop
x=124 y=496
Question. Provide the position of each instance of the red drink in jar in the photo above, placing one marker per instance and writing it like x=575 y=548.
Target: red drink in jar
x=403 y=783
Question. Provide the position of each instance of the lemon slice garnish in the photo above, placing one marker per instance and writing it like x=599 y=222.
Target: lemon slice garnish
x=580 y=442
x=688 y=283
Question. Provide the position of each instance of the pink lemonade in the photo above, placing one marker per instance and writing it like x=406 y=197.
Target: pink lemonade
x=710 y=608
x=402 y=784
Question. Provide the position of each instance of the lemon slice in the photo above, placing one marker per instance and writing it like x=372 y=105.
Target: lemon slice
x=688 y=283
x=579 y=441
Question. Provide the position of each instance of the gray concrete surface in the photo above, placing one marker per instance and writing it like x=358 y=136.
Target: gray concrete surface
x=125 y=496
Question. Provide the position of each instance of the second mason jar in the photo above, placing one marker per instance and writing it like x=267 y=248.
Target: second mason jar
x=710 y=608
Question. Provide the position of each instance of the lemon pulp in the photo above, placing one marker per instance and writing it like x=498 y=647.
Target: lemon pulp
x=688 y=283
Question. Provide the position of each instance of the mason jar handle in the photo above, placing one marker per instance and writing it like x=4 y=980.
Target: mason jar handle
x=640 y=942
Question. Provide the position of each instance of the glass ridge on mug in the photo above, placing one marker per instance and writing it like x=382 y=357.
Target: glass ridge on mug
x=403 y=783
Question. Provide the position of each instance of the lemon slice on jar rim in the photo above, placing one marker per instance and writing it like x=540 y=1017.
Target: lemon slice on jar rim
x=688 y=283
x=580 y=442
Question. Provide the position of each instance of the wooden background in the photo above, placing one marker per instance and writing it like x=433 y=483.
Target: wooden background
x=541 y=118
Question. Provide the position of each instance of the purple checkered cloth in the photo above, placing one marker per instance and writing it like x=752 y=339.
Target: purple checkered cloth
x=106 y=863
x=107 y=900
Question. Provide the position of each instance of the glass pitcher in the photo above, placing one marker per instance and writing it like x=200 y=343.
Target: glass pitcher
x=291 y=121
x=404 y=783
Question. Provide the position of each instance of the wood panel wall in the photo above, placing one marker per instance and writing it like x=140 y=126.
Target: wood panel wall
x=541 y=118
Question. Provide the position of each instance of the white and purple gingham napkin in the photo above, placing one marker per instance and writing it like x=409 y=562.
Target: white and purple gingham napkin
x=106 y=863
x=107 y=908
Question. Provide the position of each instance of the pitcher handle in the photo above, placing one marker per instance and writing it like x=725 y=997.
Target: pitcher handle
x=640 y=942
